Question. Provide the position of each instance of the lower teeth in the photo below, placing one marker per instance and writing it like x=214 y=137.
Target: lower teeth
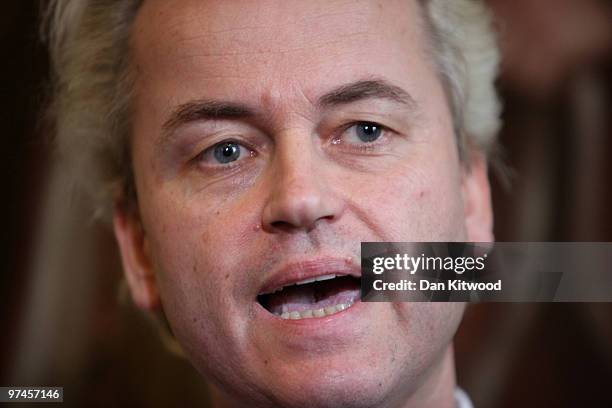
x=307 y=314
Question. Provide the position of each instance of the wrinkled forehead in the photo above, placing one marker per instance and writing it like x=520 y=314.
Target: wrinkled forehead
x=275 y=44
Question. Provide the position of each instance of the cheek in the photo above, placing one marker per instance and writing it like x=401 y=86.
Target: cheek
x=194 y=263
x=431 y=319
x=207 y=244
x=196 y=253
x=197 y=248
x=419 y=204
x=432 y=329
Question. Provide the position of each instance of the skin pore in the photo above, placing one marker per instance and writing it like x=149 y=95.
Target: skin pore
x=273 y=136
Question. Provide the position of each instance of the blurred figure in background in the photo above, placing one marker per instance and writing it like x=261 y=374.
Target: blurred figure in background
x=557 y=88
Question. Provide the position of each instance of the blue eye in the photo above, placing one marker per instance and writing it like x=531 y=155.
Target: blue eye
x=227 y=152
x=368 y=131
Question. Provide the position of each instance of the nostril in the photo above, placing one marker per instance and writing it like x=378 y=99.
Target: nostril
x=286 y=226
x=281 y=225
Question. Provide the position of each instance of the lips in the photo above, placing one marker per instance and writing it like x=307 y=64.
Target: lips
x=311 y=289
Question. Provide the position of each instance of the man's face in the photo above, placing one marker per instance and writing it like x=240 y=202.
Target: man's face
x=270 y=139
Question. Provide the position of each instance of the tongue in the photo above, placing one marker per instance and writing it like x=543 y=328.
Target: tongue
x=312 y=296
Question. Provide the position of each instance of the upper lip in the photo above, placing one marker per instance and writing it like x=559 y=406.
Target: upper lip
x=309 y=269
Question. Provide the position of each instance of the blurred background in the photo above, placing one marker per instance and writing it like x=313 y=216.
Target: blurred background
x=63 y=319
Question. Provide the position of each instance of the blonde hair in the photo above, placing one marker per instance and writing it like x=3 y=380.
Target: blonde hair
x=92 y=77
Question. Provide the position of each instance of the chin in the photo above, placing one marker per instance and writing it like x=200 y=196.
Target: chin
x=353 y=378
x=330 y=389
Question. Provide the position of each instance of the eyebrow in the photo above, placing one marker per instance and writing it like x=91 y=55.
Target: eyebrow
x=201 y=110
x=366 y=89
x=206 y=110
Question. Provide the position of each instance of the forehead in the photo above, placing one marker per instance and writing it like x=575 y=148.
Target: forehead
x=239 y=49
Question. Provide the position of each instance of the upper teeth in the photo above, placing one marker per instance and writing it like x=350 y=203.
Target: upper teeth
x=318 y=278
x=305 y=281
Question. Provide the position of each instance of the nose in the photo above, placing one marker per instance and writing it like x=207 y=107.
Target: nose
x=300 y=196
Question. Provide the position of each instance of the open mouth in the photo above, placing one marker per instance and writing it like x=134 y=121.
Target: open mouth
x=315 y=297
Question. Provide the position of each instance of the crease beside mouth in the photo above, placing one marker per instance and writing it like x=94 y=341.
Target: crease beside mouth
x=315 y=299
